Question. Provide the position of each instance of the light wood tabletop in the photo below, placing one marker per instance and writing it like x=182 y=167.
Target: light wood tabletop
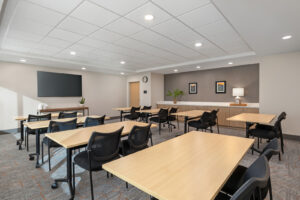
x=190 y=113
x=125 y=109
x=53 y=115
x=151 y=111
x=253 y=118
x=81 y=136
x=192 y=166
x=45 y=124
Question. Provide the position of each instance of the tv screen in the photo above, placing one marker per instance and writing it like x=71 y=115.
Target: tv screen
x=58 y=85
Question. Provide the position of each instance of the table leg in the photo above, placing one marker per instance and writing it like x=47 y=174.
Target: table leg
x=121 y=115
x=37 y=149
x=185 y=124
x=68 y=179
x=20 y=141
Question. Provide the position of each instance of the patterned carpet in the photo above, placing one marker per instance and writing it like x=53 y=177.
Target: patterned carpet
x=20 y=180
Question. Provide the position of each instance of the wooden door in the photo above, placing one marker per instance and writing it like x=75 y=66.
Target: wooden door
x=134 y=90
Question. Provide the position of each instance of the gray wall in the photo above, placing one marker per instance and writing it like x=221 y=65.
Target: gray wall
x=246 y=76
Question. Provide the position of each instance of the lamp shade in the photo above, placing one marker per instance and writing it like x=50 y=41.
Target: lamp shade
x=238 y=92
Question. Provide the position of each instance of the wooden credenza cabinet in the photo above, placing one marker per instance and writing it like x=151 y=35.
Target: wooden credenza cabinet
x=223 y=114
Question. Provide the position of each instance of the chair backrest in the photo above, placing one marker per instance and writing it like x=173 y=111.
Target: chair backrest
x=270 y=149
x=63 y=115
x=104 y=146
x=277 y=124
x=92 y=121
x=259 y=169
x=55 y=126
x=33 y=118
x=146 y=107
x=138 y=137
x=173 y=110
x=163 y=114
x=205 y=118
x=213 y=117
x=134 y=109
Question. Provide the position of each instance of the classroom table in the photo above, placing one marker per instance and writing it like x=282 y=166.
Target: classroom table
x=189 y=115
x=77 y=138
x=22 y=119
x=123 y=110
x=252 y=118
x=37 y=125
x=192 y=166
x=149 y=112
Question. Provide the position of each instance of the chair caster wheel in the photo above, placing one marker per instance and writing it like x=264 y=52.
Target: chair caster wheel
x=54 y=185
x=31 y=158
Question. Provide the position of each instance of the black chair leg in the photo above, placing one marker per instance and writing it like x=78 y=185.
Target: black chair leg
x=211 y=129
x=74 y=177
x=159 y=128
x=151 y=139
x=126 y=185
x=91 y=183
x=258 y=143
x=270 y=189
x=281 y=141
x=218 y=128
x=49 y=158
x=279 y=156
x=27 y=142
x=107 y=175
x=177 y=123
x=42 y=152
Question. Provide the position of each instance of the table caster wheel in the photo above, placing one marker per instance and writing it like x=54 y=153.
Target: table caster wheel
x=31 y=157
x=54 y=185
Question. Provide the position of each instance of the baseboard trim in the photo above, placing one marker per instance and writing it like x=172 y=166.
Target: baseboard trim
x=9 y=131
x=291 y=137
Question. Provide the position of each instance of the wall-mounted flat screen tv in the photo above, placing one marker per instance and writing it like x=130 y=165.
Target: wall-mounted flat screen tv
x=58 y=84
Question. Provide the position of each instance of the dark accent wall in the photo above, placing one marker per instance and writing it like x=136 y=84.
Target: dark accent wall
x=246 y=76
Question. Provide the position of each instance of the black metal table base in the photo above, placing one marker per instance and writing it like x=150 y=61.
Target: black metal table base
x=20 y=141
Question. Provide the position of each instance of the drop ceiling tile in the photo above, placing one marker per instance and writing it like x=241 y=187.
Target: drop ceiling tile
x=81 y=48
x=64 y=6
x=148 y=9
x=94 y=14
x=55 y=42
x=35 y=13
x=170 y=27
x=92 y=42
x=42 y=49
x=124 y=27
x=30 y=27
x=20 y=35
x=120 y=7
x=201 y=16
x=18 y=45
x=180 y=7
x=106 y=36
x=65 y=35
x=74 y=25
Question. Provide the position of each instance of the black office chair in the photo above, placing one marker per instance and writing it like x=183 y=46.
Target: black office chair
x=214 y=119
x=63 y=115
x=172 y=118
x=55 y=126
x=133 y=114
x=102 y=148
x=161 y=118
x=138 y=139
x=202 y=123
x=243 y=174
x=94 y=121
x=33 y=118
x=256 y=184
x=269 y=132
x=144 y=116
x=270 y=149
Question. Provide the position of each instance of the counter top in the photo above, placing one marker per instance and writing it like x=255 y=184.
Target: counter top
x=198 y=103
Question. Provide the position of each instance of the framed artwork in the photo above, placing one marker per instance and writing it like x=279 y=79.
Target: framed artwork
x=193 y=88
x=220 y=87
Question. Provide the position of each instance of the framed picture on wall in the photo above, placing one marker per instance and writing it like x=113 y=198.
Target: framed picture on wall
x=220 y=87
x=193 y=88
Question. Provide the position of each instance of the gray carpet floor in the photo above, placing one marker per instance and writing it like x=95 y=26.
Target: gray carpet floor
x=20 y=180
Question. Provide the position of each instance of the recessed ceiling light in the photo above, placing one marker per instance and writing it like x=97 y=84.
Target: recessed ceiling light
x=198 y=44
x=122 y=62
x=23 y=60
x=175 y=70
x=286 y=37
x=149 y=17
x=73 y=53
x=122 y=73
x=198 y=67
x=83 y=68
x=230 y=63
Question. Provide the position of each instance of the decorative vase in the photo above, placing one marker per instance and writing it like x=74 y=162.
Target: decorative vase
x=81 y=105
x=174 y=100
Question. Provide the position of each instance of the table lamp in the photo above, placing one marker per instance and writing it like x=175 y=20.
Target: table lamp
x=238 y=93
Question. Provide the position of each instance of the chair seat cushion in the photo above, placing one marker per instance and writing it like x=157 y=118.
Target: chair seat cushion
x=131 y=116
x=157 y=120
x=50 y=142
x=235 y=180
x=197 y=124
x=262 y=133
x=82 y=160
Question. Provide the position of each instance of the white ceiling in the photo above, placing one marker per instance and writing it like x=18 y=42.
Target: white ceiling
x=105 y=32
